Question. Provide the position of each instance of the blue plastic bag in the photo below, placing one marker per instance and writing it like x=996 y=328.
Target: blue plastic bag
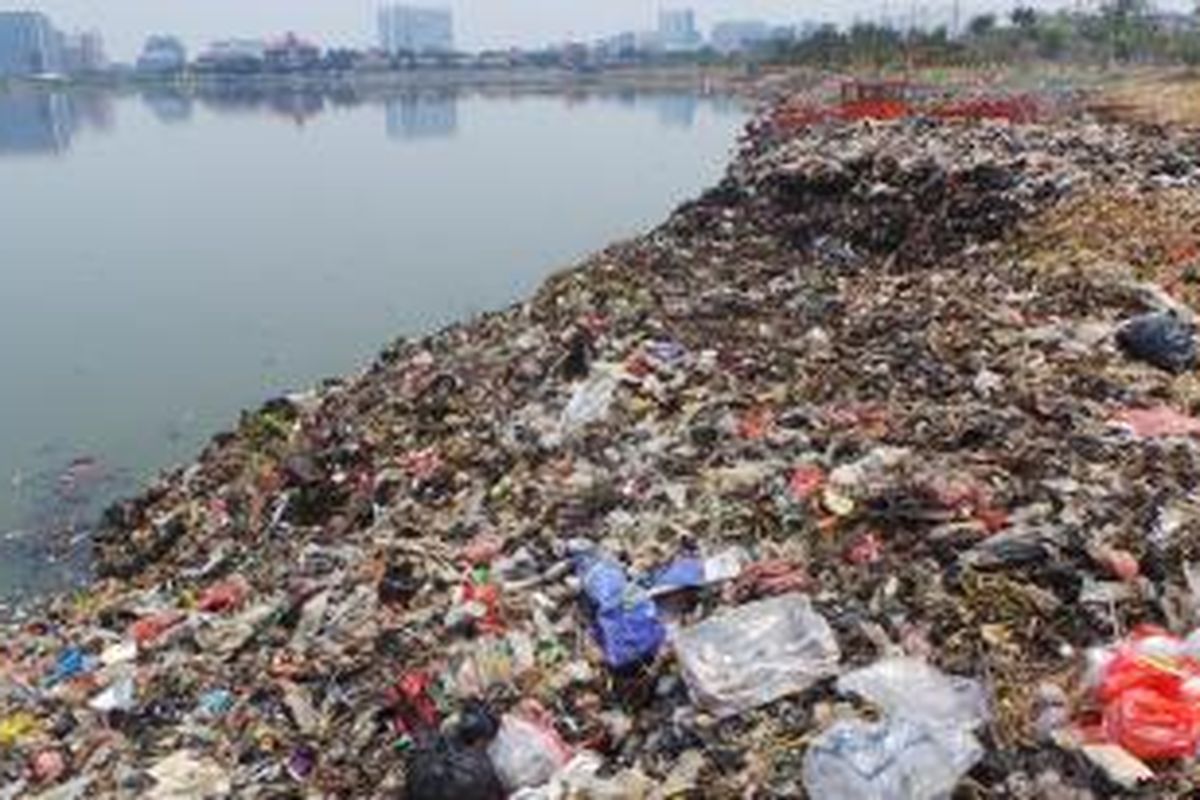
x=70 y=663
x=626 y=620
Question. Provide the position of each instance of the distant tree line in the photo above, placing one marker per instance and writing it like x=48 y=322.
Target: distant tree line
x=1120 y=31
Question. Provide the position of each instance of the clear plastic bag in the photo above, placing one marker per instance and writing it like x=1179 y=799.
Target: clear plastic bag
x=892 y=760
x=527 y=753
x=756 y=654
x=912 y=689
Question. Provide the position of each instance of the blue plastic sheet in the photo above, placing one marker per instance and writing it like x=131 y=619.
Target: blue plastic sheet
x=626 y=621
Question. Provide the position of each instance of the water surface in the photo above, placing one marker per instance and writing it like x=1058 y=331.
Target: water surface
x=169 y=258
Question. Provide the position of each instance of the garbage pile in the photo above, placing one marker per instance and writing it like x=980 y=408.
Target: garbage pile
x=851 y=480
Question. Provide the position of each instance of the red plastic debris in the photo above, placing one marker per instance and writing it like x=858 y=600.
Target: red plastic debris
x=149 y=629
x=756 y=423
x=1152 y=725
x=1149 y=690
x=225 y=596
x=807 y=480
x=1150 y=423
x=415 y=708
x=482 y=602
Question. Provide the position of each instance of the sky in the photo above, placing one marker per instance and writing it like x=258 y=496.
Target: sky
x=479 y=23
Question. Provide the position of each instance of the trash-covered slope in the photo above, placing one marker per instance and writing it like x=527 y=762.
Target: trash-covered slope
x=863 y=428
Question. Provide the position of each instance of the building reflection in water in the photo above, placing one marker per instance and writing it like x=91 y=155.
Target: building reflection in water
x=422 y=115
x=35 y=122
x=45 y=121
x=676 y=110
x=169 y=104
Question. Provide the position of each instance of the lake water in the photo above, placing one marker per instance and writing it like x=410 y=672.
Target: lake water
x=168 y=259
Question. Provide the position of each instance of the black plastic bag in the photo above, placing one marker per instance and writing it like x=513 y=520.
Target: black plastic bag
x=440 y=769
x=1163 y=340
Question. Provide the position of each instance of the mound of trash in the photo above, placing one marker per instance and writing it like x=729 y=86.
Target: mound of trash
x=860 y=477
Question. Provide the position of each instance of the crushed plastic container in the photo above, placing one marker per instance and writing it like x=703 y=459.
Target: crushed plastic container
x=756 y=654
x=895 y=759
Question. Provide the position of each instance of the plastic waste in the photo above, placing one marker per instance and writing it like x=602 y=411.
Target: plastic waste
x=591 y=400
x=1155 y=423
x=756 y=654
x=581 y=779
x=440 y=769
x=121 y=695
x=527 y=752
x=301 y=762
x=16 y=727
x=1149 y=690
x=415 y=708
x=1161 y=339
x=912 y=689
x=70 y=663
x=890 y=760
x=225 y=596
x=148 y=630
x=694 y=572
x=626 y=620
x=184 y=775
x=215 y=703
x=476 y=724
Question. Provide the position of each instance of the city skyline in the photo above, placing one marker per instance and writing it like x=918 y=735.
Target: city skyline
x=479 y=24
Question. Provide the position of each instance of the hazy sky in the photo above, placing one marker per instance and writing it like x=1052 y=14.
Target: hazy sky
x=479 y=23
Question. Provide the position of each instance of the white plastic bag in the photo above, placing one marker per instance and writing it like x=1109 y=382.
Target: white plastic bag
x=890 y=760
x=756 y=654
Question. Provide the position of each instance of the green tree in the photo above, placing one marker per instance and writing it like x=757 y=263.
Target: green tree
x=982 y=26
x=1024 y=18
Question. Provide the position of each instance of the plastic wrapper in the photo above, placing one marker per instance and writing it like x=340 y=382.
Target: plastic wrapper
x=892 y=760
x=912 y=689
x=590 y=402
x=756 y=653
x=526 y=753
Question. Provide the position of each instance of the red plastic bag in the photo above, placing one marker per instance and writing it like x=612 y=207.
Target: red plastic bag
x=1149 y=690
x=1153 y=725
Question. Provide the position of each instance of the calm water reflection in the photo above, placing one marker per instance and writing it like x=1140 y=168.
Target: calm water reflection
x=169 y=258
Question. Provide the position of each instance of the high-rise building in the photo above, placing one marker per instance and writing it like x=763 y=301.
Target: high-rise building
x=677 y=30
x=29 y=44
x=83 y=53
x=416 y=29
